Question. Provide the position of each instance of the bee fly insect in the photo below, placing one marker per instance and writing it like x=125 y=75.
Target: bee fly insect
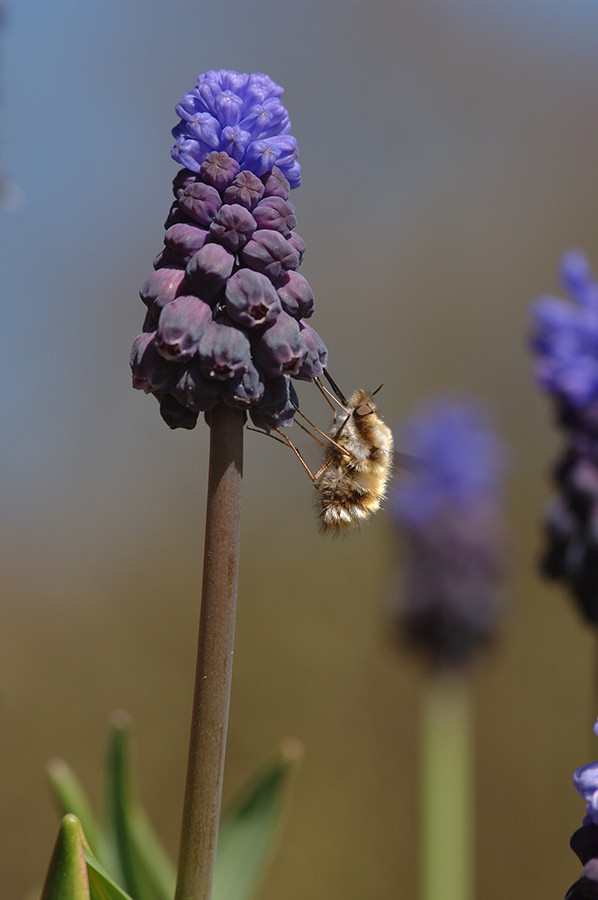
x=358 y=457
x=357 y=465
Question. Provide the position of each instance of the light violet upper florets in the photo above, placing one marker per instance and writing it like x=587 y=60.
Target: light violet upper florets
x=242 y=115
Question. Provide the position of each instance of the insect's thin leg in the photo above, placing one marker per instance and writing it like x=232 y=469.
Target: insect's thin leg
x=338 y=433
x=323 y=433
x=327 y=393
x=284 y=440
x=267 y=434
x=299 y=457
x=321 y=471
x=312 y=436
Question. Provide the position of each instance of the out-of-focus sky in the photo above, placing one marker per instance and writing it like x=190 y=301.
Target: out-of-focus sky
x=449 y=153
x=88 y=90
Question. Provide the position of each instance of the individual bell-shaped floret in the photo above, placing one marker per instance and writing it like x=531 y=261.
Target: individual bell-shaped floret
x=281 y=349
x=184 y=240
x=251 y=299
x=245 y=390
x=296 y=296
x=210 y=268
x=269 y=252
x=161 y=287
x=201 y=202
x=182 y=324
x=246 y=190
x=233 y=226
x=224 y=350
x=182 y=179
x=275 y=214
x=275 y=184
x=316 y=359
x=219 y=169
x=278 y=404
x=151 y=371
x=297 y=243
x=195 y=391
x=175 y=414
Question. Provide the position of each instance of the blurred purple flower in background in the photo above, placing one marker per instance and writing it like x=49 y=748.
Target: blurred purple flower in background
x=225 y=304
x=584 y=841
x=565 y=339
x=447 y=506
x=565 y=343
x=585 y=781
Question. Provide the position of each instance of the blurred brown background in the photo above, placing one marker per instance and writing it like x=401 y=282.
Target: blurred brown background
x=449 y=157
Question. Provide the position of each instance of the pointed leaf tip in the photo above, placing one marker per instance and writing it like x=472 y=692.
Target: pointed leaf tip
x=120 y=720
x=143 y=864
x=292 y=750
x=67 y=873
x=72 y=798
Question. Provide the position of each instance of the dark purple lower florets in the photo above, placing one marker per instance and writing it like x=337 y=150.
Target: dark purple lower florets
x=224 y=304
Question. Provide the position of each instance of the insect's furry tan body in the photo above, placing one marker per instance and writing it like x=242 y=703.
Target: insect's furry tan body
x=353 y=486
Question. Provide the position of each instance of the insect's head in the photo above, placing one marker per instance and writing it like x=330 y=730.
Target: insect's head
x=362 y=404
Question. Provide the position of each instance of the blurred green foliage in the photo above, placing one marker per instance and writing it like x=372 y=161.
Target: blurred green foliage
x=122 y=857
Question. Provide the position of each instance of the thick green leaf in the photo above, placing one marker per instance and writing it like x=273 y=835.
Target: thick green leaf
x=147 y=872
x=72 y=798
x=250 y=826
x=67 y=874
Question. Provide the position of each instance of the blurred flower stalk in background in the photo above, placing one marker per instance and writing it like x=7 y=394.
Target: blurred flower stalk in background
x=447 y=511
x=565 y=344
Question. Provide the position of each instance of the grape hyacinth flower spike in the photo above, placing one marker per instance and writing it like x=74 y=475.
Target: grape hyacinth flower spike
x=565 y=345
x=447 y=508
x=225 y=304
x=224 y=334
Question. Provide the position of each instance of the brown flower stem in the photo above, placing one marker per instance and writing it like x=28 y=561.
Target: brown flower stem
x=211 y=702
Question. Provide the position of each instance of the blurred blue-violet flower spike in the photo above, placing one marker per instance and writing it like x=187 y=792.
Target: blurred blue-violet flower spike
x=585 y=781
x=241 y=115
x=225 y=304
x=565 y=336
x=584 y=841
x=447 y=509
x=565 y=343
